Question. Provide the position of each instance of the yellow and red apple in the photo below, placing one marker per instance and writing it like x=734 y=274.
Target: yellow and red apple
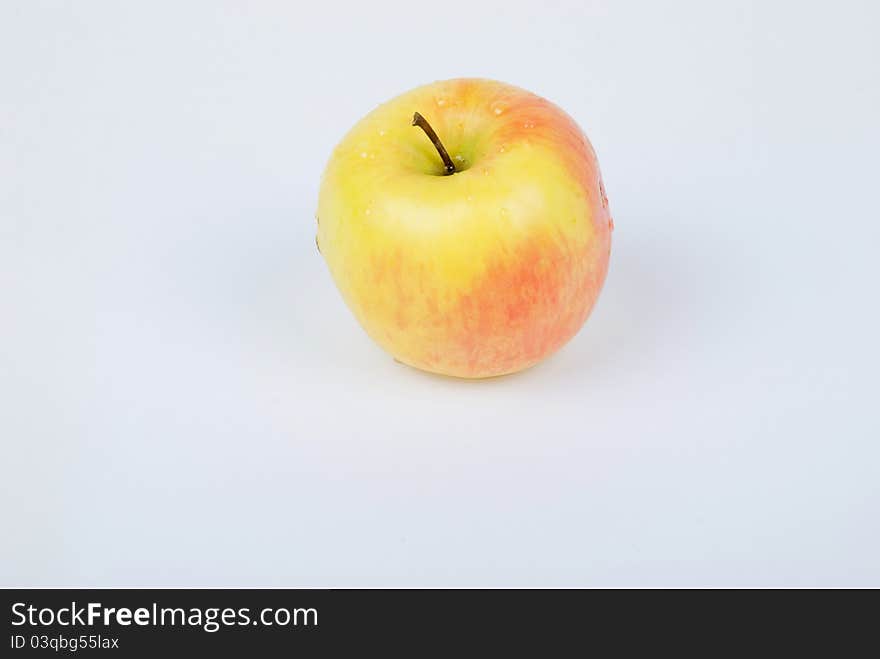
x=476 y=272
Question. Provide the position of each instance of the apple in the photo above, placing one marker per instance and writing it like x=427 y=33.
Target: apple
x=466 y=225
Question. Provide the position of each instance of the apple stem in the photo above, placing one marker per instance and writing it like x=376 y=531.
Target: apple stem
x=421 y=122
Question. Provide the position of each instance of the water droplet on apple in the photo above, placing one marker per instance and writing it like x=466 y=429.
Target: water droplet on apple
x=529 y=124
x=502 y=149
x=485 y=171
x=470 y=197
x=441 y=101
x=363 y=154
x=367 y=212
x=381 y=133
x=497 y=108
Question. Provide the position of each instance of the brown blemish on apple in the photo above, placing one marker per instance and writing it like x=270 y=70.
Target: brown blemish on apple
x=605 y=204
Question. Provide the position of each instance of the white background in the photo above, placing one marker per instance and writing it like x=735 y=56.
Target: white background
x=185 y=400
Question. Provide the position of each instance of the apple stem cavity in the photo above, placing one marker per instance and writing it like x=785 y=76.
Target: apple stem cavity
x=421 y=122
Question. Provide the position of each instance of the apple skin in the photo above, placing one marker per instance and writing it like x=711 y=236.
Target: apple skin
x=480 y=273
